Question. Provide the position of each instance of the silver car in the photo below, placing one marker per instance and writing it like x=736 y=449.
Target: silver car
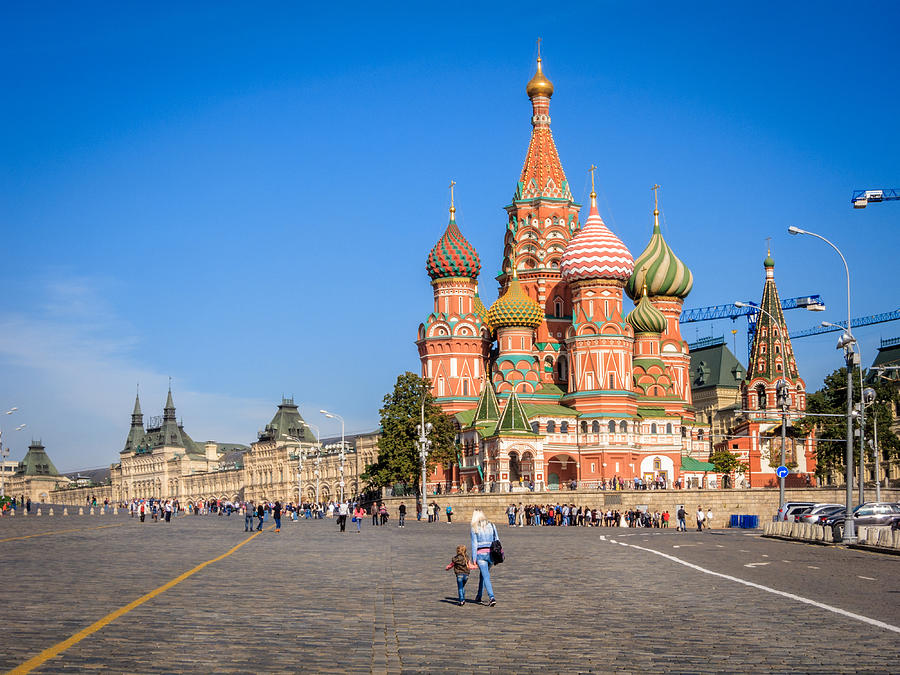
x=782 y=512
x=816 y=512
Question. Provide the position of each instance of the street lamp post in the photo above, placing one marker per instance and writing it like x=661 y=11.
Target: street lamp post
x=318 y=435
x=845 y=343
x=782 y=396
x=868 y=398
x=336 y=416
x=4 y=453
x=424 y=444
x=299 y=442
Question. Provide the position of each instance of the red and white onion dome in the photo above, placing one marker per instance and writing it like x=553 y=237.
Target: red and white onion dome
x=595 y=252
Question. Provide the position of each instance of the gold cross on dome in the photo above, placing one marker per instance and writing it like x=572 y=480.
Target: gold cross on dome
x=768 y=245
x=591 y=170
x=655 y=189
x=452 y=206
x=539 y=48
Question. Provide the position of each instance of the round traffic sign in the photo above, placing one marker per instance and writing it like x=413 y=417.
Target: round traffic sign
x=782 y=472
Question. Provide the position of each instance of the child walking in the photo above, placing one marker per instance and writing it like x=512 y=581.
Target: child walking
x=460 y=565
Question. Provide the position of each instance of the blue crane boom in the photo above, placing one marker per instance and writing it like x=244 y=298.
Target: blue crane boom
x=750 y=310
x=862 y=198
x=854 y=323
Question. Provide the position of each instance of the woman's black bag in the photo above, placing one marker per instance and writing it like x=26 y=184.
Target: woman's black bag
x=496 y=552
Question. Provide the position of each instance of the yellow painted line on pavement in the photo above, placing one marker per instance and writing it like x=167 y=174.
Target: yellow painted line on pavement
x=55 y=650
x=47 y=534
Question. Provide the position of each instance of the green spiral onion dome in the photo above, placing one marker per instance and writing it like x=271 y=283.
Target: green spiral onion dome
x=515 y=308
x=452 y=255
x=660 y=269
x=645 y=318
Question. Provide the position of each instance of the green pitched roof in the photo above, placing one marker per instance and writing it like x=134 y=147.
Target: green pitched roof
x=36 y=462
x=488 y=409
x=715 y=366
x=287 y=422
x=691 y=464
x=513 y=419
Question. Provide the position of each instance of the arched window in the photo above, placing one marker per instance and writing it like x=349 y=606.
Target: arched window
x=563 y=427
x=761 y=397
x=561 y=368
x=669 y=428
x=535 y=427
x=595 y=427
x=612 y=427
x=551 y=427
x=557 y=308
x=583 y=427
x=700 y=435
x=653 y=428
x=623 y=427
x=683 y=432
x=465 y=388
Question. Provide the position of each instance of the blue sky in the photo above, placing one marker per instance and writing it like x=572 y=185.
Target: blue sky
x=243 y=198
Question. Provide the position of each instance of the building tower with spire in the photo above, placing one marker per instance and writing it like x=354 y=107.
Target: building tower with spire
x=757 y=435
x=454 y=341
x=541 y=219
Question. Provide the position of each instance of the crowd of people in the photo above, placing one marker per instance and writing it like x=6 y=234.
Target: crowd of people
x=566 y=515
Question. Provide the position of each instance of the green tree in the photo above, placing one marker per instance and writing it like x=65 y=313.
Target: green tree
x=398 y=451
x=726 y=462
x=831 y=432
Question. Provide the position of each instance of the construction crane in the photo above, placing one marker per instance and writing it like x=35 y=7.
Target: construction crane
x=835 y=326
x=750 y=310
x=854 y=323
x=861 y=198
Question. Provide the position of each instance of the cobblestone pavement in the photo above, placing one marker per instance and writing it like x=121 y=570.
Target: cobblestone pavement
x=312 y=600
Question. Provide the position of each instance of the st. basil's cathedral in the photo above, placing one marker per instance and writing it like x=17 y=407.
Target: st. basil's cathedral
x=557 y=382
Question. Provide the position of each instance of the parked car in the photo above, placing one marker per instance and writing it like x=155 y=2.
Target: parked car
x=818 y=512
x=795 y=512
x=867 y=515
x=782 y=512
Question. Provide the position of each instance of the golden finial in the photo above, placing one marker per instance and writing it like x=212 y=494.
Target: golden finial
x=452 y=207
x=539 y=85
x=768 y=247
x=592 y=169
x=655 y=189
x=644 y=282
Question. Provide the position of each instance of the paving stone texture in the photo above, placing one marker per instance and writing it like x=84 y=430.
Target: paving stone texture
x=312 y=600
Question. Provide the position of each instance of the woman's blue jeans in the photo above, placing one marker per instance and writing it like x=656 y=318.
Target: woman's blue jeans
x=461 y=580
x=358 y=523
x=484 y=579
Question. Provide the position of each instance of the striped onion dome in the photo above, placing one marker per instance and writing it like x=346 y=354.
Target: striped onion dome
x=659 y=269
x=453 y=255
x=479 y=308
x=595 y=252
x=515 y=308
x=645 y=318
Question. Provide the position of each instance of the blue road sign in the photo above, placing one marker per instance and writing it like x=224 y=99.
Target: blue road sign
x=782 y=472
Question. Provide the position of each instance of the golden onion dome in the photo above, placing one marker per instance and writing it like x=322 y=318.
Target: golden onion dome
x=539 y=85
x=515 y=308
x=479 y=309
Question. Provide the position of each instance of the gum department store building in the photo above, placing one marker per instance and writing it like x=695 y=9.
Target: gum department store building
x=558 y=381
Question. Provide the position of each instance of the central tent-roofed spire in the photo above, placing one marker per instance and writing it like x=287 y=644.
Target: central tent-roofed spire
x=542 y=175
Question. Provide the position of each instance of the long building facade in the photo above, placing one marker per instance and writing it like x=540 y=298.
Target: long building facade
x=160 y=460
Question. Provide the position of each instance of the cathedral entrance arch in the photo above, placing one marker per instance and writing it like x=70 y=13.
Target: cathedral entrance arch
x=561 y=468
x=514 y=467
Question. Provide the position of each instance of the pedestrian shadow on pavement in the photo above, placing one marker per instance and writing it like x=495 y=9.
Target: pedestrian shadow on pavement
x=452 y=601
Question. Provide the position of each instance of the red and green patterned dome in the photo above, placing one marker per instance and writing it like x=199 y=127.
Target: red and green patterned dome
x=515 y=308
x=452 y=255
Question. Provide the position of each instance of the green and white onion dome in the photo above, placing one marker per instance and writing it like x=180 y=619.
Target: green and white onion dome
x=645 y=318
x=660 y=269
